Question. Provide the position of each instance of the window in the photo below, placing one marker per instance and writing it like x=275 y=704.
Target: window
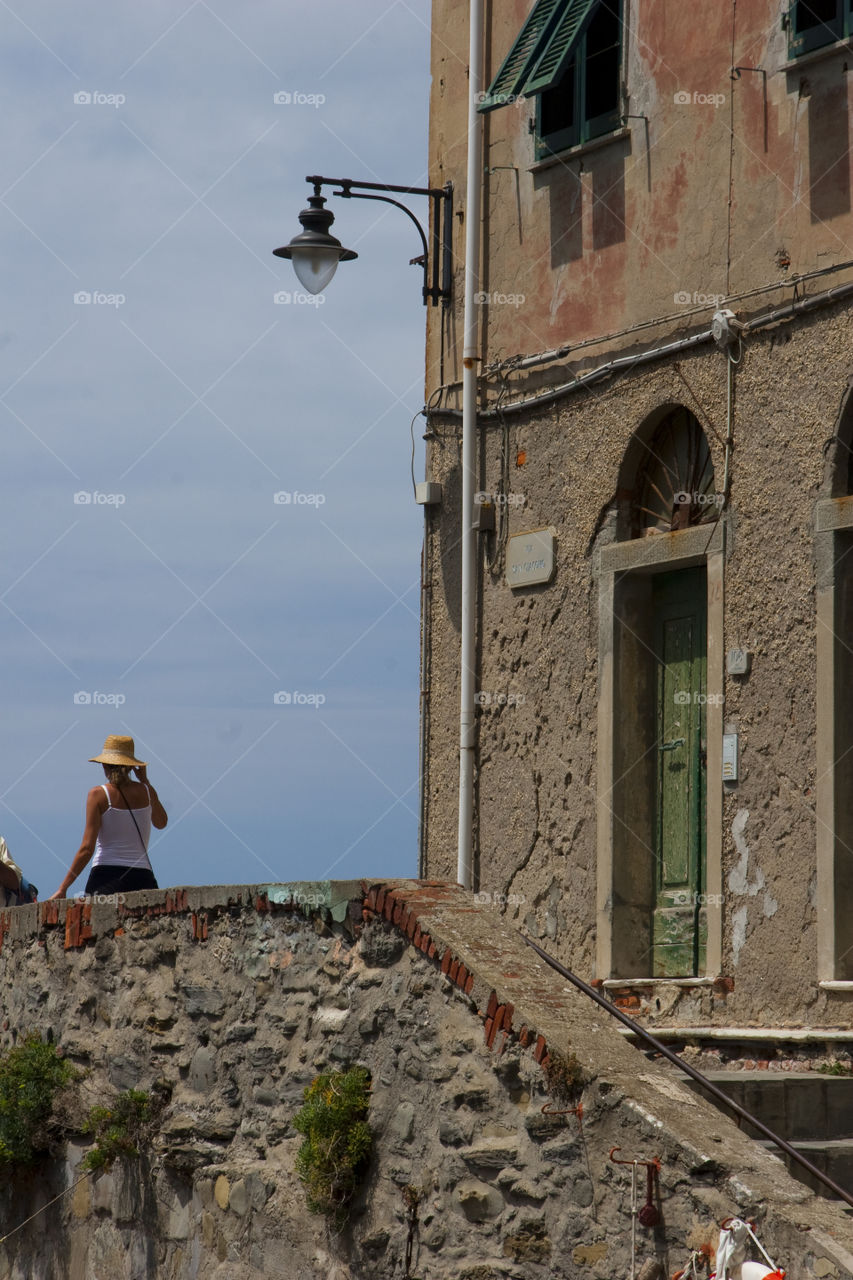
x=814 y=23
x=586 y=102
x=567 y=55
x=675 y=487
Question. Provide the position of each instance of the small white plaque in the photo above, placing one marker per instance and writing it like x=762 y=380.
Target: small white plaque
x=530 y=558
x=738 y=662
x=730 y=757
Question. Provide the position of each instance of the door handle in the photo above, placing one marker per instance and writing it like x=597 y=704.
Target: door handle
x=670 y=746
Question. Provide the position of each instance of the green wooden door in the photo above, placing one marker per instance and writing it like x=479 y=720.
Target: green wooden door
x=679 y=928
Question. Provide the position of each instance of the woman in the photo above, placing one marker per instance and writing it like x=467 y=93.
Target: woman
x=119 y=817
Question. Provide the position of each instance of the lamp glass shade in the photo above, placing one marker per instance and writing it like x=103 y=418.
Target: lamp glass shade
x=315 y=265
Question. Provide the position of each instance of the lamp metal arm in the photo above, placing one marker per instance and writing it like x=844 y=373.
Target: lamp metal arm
x=441 y=228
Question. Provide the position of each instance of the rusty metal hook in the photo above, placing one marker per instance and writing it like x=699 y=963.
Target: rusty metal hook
x=649 y=1215
x=647 y=1164
x=570 y=1111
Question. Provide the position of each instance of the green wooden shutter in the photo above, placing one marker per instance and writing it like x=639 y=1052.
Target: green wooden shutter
x=560 y=47
x=529 y=44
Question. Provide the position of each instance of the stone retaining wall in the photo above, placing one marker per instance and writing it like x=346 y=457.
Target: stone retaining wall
x=233 y=1001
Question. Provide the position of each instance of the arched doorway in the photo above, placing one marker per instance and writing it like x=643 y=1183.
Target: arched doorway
x=661 y=597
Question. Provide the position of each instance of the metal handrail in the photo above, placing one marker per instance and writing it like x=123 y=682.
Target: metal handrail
x=692 y=1072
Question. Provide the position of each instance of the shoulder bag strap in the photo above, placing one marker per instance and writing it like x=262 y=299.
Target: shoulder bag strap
x=135 y=823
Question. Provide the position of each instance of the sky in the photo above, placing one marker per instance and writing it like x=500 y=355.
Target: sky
x=155 y=399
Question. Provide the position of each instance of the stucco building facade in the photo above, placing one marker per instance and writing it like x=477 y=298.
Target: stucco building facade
x=665 y=725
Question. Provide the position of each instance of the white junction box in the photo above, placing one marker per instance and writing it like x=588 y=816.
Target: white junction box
x=738 y=662
x=427 y=493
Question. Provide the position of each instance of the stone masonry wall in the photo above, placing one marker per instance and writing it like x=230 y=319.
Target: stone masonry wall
x=234 y=1000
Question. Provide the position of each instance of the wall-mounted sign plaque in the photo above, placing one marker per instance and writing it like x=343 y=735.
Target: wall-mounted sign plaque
x=530 y=558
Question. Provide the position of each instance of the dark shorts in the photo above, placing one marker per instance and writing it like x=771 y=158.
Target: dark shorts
x=107 y=879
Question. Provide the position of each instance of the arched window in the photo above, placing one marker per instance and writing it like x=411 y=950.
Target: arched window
x=674 y=487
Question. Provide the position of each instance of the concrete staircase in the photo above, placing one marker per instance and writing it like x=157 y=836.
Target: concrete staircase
x=811 y=1111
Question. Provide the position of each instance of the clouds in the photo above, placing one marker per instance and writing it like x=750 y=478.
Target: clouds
x=196 y=398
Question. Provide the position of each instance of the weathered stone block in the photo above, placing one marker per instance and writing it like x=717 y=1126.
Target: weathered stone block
x=202 y=1075
x=209 y=1001
x=478 y=1201
x=238 y=1199
x=529 y=1244
x=491 y=1153
x=401 y=1126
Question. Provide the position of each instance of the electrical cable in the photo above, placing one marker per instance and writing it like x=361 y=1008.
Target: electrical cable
x=412 y=434
x=518 y=362
x=621 y=363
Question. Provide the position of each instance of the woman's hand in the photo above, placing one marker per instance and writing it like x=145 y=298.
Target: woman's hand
x=141 y=772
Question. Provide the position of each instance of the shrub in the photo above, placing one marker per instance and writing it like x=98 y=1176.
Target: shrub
x=117 y=1129
x=30 y=1075
x=337 y=1142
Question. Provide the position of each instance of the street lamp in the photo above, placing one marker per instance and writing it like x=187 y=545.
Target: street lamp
x=315 y=253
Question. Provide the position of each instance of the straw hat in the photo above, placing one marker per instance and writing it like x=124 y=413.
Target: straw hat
x=117 y=750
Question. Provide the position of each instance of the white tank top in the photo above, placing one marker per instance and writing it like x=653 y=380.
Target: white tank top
x=119 y=843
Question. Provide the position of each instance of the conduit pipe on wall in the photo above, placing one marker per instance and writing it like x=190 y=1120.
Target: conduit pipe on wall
x=786 y=312
x=470 y=360
x=581 y=380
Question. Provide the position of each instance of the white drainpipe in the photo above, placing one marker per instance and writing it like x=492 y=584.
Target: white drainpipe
x=470 y=361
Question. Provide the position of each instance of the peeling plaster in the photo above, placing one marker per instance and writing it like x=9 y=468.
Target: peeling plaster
x=738 y=932
x=741 y=885
x=739 y=875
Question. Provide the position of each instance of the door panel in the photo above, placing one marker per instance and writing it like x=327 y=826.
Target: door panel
x=678 y=928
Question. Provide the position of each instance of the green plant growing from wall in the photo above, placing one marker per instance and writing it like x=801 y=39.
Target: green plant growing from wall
x=117 y=1129
x=30 y=1075
x=337 y=1142
x=835 y=1068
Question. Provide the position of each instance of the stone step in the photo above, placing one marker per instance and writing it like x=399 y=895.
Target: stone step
x=799 y=1106
x=834 y=1158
